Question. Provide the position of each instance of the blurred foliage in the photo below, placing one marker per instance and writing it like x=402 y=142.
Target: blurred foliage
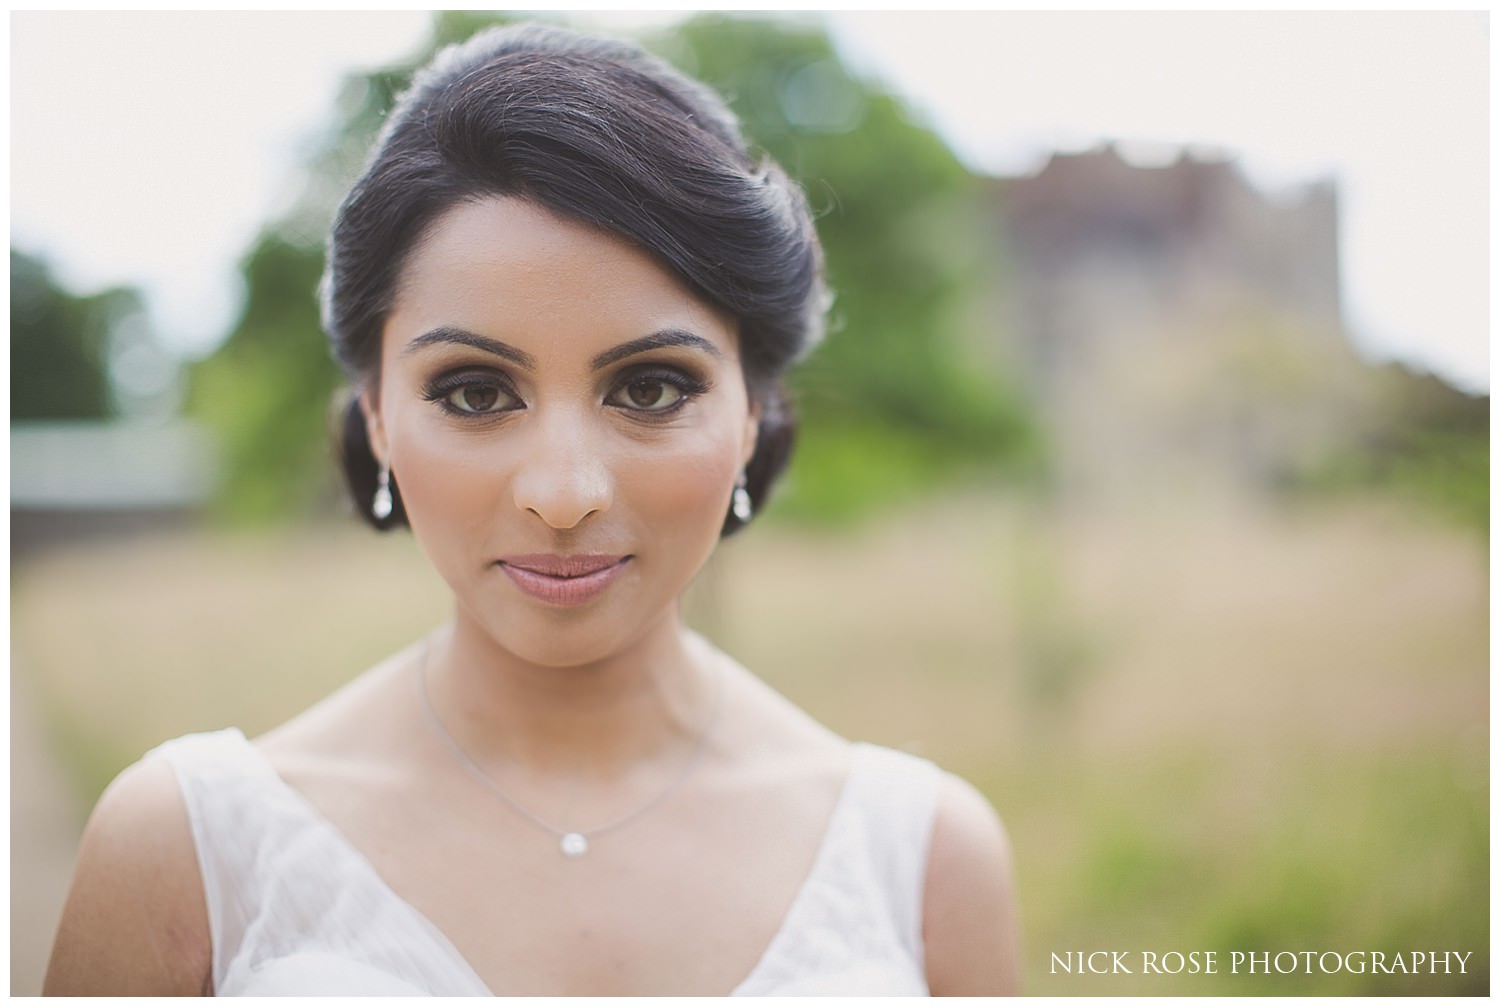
x=60 y=344
x=268 y=390
x=894 y=402
x=897 y=396
x=1426 y=442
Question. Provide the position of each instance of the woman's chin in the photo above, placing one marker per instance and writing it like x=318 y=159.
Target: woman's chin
x=565 y=644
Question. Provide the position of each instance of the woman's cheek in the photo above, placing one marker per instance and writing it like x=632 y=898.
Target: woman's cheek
x=690 y=483
x=689 y=494
x=451 y=491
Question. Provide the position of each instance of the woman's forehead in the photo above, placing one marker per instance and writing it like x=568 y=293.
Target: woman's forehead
x=506 y=263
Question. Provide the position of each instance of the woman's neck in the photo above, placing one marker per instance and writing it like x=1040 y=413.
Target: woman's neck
x=652 y=700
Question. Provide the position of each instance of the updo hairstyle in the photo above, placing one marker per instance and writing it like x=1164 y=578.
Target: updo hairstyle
x=601 y=132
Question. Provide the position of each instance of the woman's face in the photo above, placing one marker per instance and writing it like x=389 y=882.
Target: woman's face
x=566 y=423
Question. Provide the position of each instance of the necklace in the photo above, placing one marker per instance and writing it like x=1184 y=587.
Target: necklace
x=572 y=842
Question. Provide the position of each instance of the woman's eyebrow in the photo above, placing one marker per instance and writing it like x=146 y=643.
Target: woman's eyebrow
x=655 y=341
x=463 y=337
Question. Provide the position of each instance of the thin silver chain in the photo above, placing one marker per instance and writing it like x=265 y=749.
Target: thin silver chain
x=484 y=778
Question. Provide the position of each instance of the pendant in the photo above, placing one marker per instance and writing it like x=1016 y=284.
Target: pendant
x=574 y=845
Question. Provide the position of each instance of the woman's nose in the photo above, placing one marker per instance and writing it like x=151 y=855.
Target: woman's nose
x=563 y=477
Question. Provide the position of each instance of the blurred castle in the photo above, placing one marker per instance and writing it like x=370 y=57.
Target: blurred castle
x=1176 y=327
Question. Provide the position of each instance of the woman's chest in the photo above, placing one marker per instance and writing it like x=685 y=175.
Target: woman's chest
x=684 y=902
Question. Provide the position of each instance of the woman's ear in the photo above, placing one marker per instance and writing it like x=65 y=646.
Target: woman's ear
x=369 y=405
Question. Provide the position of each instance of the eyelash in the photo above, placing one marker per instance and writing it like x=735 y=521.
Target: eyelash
x=686 y=385
x=443 y=387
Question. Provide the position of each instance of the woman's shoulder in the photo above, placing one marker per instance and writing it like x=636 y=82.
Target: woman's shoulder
x=135 y=921
x=969 y=913
x=969 y=928
x=136 y=917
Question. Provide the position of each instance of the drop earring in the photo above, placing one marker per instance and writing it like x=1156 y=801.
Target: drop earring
x=381 y=506
x=739 y=504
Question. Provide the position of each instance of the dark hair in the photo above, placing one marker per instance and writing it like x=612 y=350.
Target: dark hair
x=601 y=132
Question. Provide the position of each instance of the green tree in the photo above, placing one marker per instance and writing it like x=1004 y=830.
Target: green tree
x=59 y=344
x=899 y=394
x=268 y=390
x=1424 y=441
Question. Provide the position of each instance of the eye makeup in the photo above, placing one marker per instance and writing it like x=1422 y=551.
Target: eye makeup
x=654 y=392
x=651 y=392
x=470 y=393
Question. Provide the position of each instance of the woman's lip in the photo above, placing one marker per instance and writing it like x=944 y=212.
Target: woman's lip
x=563 y=580
x=554 y=565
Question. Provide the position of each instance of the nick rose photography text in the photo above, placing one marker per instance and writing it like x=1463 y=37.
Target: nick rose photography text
x=1258 y=962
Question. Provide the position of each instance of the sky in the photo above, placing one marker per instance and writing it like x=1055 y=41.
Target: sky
x=157 y=163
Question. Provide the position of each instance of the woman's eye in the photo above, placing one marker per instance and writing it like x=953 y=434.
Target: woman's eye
x=478 y=398
x=650 y=395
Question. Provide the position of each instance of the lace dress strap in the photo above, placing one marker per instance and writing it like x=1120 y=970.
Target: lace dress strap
x=856 y=925
x=292 y=906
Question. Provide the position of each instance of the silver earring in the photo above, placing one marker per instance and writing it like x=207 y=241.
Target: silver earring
x=381 y=506
x=739 y=504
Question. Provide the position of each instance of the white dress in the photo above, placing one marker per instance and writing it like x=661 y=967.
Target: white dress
x=294 y=908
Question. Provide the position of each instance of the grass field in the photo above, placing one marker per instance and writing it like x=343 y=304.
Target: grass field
x=1218 y=729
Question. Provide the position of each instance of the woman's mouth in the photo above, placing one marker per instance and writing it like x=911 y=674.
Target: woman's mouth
x=563 y=580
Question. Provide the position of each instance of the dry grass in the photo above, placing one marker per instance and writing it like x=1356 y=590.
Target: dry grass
x=1216 y=728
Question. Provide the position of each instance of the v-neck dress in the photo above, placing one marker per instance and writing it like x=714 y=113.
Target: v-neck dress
x=295 y=909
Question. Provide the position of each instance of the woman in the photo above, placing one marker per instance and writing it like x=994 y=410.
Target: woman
x=564 y=293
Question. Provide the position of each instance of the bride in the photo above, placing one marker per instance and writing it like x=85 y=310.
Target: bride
x=564 y=294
